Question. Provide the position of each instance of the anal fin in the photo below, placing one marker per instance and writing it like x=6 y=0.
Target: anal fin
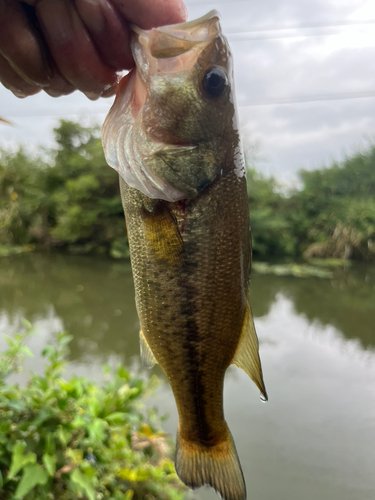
x=247 y=354
x=148 y=359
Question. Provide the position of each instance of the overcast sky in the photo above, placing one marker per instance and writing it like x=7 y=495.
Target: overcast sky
x=305 y=80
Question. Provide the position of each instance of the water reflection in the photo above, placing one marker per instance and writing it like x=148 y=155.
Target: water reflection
x=94 y=299
x=314 y=439
x=347 y=301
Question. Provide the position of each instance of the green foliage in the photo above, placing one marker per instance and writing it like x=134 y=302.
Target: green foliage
x=69 y=439
x=271 y=225
x=338 y=203
x=24 y=200
x=69 y=198
x=332 y=216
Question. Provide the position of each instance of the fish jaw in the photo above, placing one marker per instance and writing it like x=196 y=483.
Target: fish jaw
x=162 y=134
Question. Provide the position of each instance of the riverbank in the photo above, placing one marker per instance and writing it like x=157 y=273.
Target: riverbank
x=319 y=268
x=69 y=199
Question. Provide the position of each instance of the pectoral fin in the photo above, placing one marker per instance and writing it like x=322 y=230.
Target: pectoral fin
x=148 y=359
x=163 y=238
x=247 y=354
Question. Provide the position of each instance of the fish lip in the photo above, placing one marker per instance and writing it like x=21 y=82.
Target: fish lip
x=179 y=26
x=174 y=40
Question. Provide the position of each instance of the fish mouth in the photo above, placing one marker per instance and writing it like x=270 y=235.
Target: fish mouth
x=169 y=49
x=177 y=39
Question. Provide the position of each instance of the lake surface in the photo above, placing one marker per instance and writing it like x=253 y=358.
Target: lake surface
x=314 y=439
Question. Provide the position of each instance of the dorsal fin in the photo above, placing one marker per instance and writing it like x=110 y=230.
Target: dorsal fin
x=247 y=353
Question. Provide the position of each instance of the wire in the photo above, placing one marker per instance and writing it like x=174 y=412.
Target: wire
x=309 y=26
x=57 y=115
x=281 y=34
x=370 y=94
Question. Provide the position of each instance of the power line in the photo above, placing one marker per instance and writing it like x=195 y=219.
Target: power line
x=370 y=94
x=42 y=113
x=338 y=24
x=274 y=33
x=208 y=4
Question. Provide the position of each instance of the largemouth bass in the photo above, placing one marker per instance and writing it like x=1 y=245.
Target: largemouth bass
x=172 y=135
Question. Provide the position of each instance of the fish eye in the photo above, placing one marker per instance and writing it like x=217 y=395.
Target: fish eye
x=215 y=81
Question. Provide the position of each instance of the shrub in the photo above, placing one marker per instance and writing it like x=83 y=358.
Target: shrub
x=70 y=438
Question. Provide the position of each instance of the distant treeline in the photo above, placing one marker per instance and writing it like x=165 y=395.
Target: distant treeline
x=68 y=198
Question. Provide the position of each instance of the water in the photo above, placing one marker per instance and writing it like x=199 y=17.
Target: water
x=315 y=437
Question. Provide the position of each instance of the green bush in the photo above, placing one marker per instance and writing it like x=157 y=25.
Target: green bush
x=69 y=439
x=68 y=198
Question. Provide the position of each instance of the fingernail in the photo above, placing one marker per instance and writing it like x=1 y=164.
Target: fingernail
x=18 y=93
x=52 y=93
x=109 y=91
x=56 y=20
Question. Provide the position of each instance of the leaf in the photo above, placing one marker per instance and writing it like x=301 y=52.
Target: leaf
x=19 y=459
x=26 y=351
x=76 y=456
x=78 y=422
x=32 y=476
x=65 y=339
x=17 y=405
x=48 y=351
x=134 y=475
x=50 y=444
x=49 y=463
x=93 y=405
x=63 y=435
x=117 y=417
x=87 y=469
x=123 y=373
x=26 y=323
x=84 y=483
x=97 y=429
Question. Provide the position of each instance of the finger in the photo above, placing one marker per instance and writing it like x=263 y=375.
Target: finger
x=149 y=14
x=109 y=32
x=13 y=82
x=20 y=44
x=58 y=85
x=72 y=48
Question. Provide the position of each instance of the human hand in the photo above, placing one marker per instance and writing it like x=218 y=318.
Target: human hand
x=60 y=46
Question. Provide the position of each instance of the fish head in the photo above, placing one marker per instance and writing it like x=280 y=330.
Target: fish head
x=173 y=127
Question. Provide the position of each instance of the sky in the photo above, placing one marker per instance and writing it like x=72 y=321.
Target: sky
x=304 y=75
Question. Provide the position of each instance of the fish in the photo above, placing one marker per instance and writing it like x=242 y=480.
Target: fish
x=172 y=134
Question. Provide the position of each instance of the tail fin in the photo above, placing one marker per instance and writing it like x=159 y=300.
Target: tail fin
x=217 y=466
